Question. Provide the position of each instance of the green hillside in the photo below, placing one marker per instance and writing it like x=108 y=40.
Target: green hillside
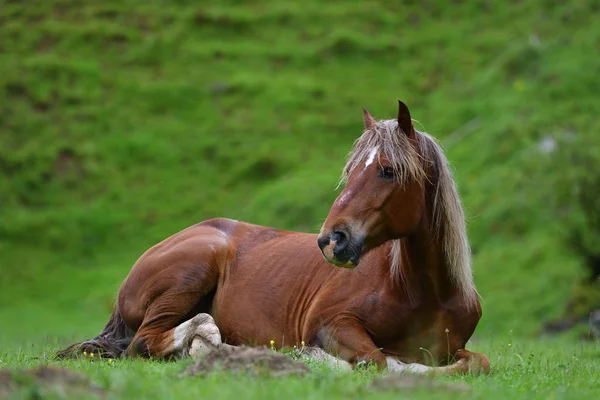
x=122 y=122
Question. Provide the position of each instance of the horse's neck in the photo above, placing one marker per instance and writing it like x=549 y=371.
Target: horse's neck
x=424 y=266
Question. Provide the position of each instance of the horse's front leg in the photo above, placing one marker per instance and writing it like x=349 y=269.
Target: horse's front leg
x=477 y=363
x=194 y=337
x=349 y=340
x=466 y=362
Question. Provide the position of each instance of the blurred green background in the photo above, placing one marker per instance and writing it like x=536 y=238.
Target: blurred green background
x=123 y=122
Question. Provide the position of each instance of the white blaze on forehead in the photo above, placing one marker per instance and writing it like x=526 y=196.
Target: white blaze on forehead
x=372 y=155
x=343 y=199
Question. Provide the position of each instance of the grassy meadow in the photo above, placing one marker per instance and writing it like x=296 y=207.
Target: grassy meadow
x=122 y=122
x=523 y=369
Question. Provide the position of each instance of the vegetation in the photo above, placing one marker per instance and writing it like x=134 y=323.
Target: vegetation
x=578 y=210
x=523 y=370
x=122 y=122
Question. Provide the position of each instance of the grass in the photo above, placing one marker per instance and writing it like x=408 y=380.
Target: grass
x=522 y=369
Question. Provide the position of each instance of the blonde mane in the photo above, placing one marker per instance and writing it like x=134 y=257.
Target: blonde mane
x=448 y=220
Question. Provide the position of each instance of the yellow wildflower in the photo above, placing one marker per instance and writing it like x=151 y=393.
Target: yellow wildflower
x=519 y=85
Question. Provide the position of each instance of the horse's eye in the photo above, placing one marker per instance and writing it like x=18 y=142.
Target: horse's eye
x=387 y=173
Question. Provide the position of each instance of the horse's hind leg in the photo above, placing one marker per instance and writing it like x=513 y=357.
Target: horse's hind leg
x=195 y=337
x=164 y=335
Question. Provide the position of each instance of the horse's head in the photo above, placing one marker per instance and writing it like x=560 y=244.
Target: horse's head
x=384 y=196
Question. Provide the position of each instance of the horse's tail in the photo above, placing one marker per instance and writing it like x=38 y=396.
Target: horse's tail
x=110 y=343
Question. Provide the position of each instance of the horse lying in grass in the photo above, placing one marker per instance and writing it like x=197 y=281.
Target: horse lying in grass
x=387 y=281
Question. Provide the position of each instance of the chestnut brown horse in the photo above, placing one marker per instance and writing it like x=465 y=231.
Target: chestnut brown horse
x=387 y=281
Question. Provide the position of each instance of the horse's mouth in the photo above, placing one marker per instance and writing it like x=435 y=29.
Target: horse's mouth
x=339 y=249
x=349 y=264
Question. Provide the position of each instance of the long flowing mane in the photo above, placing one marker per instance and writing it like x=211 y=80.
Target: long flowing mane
x=448 y=220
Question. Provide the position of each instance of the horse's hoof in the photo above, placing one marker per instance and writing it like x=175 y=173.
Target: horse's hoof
x=207 y=336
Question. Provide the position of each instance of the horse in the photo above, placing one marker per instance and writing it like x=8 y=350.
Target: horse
x=387 y=281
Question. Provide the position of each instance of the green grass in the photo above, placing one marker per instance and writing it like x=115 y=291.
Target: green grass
x=522 y=369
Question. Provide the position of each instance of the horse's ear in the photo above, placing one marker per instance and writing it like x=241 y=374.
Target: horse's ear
x=369 y=121
x=404 y=120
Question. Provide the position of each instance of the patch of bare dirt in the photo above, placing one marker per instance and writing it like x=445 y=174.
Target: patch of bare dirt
x=411 y=382
x=247 y=360
x=45 y=381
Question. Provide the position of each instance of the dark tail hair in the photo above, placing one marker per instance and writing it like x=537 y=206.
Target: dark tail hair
x=110 y=343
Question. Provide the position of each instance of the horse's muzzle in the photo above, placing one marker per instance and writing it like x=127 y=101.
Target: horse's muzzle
x=339 y=248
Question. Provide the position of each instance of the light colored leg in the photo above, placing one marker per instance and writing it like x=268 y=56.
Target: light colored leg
x=396 y=366
x=196 y=337
x=320 y=355
x=393 y=365
x=206 y=336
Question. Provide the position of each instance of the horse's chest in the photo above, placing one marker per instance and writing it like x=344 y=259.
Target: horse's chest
x=415 y=333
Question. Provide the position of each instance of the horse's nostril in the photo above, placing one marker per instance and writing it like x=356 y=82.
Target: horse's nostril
x=323 y=241
x=339 y=237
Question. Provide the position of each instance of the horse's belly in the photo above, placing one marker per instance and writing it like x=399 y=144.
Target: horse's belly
x=251 y=317
x=264 y=285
